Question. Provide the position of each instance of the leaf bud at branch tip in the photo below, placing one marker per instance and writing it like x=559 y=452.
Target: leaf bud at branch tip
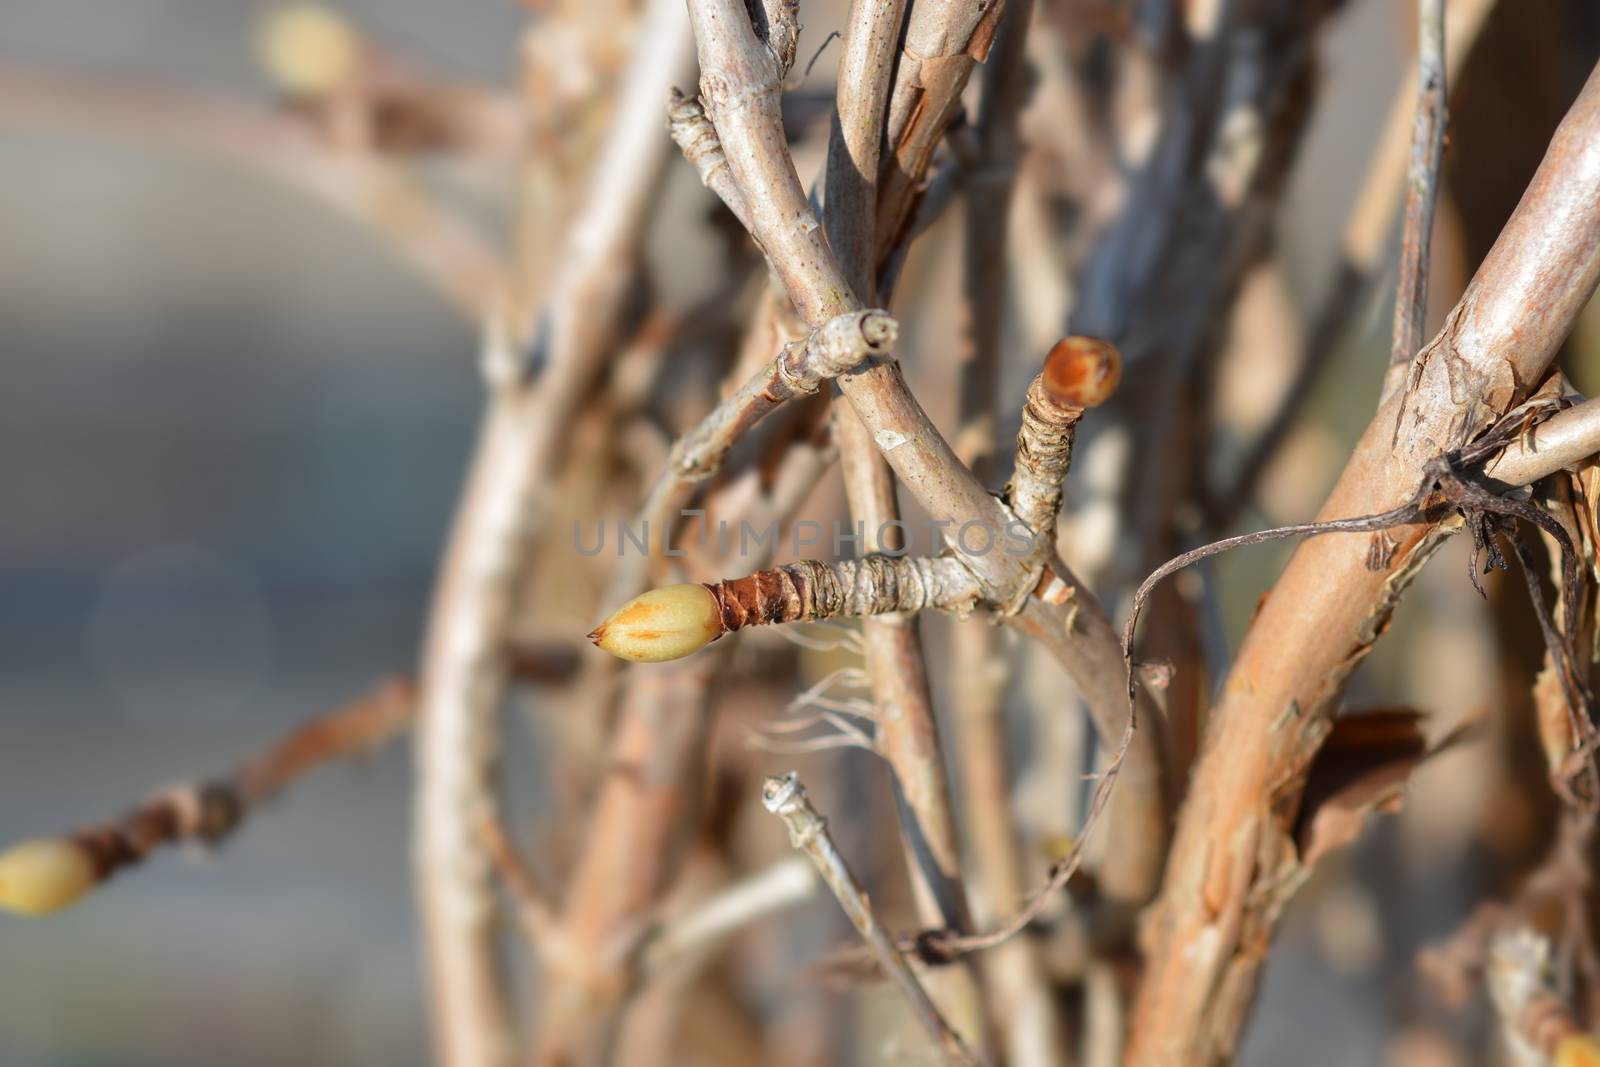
x=1082 y=372
x=663 y=624
x=45 y=875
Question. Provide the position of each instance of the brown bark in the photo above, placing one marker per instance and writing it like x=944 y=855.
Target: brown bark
x=1233 y=864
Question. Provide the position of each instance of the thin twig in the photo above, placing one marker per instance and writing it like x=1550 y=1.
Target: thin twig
x=697 y=139
x=635 y=843
x=1020 y=1000
x=1562 y=440
x=838 y=346
x=533 y=904
x=1422 y=189
x=1422 y=185
x=782 y=885
x=786 y=798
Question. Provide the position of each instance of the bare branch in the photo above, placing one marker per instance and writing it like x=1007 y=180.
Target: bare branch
x=1366 y=235
x=786 y=798
x=782 y=885
x=533 y=906
x=1019 y=998
x=1422 y=184
x=908 y=736
x=1231 y=851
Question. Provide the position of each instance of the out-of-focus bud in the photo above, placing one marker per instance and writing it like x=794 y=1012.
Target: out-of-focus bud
x=666 y=623
x=45 y=875
x=307 y=49
x=1082 y=371
x=1577 y=1050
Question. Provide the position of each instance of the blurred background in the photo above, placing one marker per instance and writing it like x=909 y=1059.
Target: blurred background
x=232 y=427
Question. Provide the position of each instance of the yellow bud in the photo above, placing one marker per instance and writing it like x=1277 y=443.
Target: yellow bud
x=1577 y=1050
x=663 y=624
x=42 y=876
x=306 y=48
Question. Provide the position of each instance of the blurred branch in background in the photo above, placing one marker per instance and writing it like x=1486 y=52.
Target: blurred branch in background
x=46 y=875
x=353 y=119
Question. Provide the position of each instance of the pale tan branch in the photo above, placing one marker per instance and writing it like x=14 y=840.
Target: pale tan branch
x=782 y=885
x=1019 y=998
x=909 y=733
x=942 y=44
x=643 y=817
x=465 y=658
x=1232 y=865
x=839 y=345
x=842 y=344
x=1562 y=440
x=533 y=905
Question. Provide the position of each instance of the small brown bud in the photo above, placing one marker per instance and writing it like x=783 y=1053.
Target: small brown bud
x=45 y=875
x=666 y=623
x=1082 y=371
